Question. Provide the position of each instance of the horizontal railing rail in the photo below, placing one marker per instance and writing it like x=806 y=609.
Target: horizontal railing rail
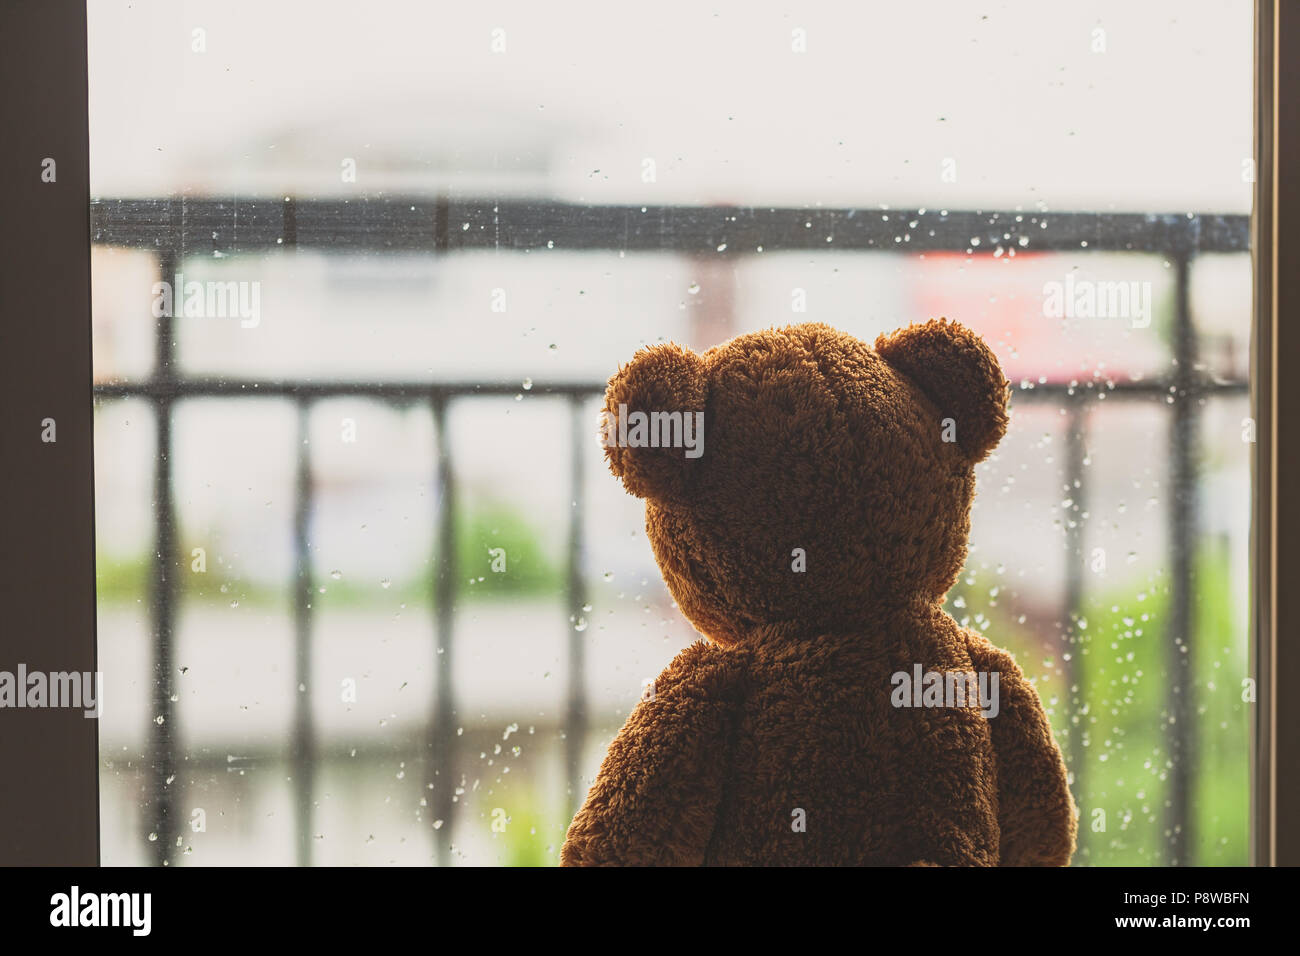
x=406 y=392
x=440 y=224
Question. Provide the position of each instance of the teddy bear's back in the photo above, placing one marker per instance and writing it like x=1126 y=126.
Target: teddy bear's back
x=810 y=531
x=826 y=769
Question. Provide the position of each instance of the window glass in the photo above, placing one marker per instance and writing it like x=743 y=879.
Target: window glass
x=424 y=235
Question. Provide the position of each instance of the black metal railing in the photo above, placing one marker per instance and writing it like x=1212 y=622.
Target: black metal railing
x=175 y=229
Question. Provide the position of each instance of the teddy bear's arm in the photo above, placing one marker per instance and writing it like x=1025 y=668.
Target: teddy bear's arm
x=1035 y=811
x=655 y=799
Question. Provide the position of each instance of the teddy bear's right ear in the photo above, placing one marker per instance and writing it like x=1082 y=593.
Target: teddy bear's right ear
x=652 y=425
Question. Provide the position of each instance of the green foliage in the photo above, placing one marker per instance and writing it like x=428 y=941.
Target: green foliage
x=1109 y=708
x=121 y=580
x=528 y=835
x=528 y=571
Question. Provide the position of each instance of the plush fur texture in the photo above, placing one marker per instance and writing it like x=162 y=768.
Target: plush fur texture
x=776 y=740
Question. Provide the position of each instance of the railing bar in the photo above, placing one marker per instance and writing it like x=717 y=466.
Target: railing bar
x=445 y=586
x=396 y=223
x=576 y=713
x=1075 y=667
x=441 y=224
x=420 y=391
x=304 y=734
x=1183 y=451
x=289 y=224
x=162 y=804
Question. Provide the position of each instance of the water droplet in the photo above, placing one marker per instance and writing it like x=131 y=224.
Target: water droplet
x=528 y=383
x=693 y=288
x=337 y=575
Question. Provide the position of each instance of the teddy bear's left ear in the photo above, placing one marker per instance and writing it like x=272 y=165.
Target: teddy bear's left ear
x=959 y=373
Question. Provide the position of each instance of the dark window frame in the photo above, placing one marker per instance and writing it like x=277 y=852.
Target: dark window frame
x=1276 y=401
x=49 y=759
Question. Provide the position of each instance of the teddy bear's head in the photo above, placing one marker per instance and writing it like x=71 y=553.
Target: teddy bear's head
x=799 y=475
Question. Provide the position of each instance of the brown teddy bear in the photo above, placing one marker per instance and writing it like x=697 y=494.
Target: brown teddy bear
x=808 y=501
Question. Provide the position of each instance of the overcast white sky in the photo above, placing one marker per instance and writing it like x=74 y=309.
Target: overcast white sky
x=585 y=91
